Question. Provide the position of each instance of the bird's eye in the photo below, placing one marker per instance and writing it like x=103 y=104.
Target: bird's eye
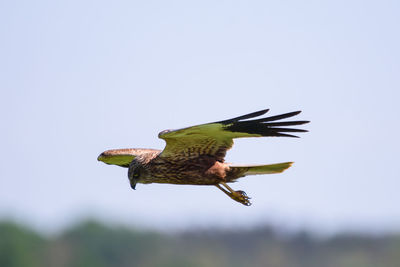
x=133 y=174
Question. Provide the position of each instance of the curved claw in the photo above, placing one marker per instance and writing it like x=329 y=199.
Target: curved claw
x=243 y=193
x=241 y=196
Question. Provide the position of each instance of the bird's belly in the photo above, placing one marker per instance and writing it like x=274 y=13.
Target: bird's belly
x=184 y=180
x=202 y=171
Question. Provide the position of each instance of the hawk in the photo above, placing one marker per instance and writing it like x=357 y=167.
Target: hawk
x=195 y=155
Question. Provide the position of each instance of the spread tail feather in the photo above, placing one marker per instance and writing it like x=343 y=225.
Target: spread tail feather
x=259 y=169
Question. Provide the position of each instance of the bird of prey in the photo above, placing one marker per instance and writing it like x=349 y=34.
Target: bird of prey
x=195 y=155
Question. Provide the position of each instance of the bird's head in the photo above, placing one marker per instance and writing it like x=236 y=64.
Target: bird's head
x=134 y=172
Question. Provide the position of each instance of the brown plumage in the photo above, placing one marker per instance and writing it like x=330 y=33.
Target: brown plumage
x=195 y=155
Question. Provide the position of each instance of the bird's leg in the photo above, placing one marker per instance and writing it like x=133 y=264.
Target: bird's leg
x=239 y=196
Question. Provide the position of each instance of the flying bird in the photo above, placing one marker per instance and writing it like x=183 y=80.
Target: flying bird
x=195 y=155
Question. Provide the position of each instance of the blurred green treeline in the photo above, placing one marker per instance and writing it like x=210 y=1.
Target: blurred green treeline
x=94 y=244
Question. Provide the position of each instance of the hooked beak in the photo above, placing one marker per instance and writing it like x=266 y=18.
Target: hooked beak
x=133 y=184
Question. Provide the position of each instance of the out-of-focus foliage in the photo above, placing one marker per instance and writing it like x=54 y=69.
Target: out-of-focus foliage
x=20 y=246
x=94 y=244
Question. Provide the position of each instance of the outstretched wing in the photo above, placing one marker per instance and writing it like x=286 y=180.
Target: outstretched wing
x=122 y=157
x=214 y=139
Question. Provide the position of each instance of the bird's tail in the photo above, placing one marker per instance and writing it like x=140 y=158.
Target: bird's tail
x=243 y=170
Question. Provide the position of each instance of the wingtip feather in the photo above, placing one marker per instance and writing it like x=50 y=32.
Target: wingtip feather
x=244 y=117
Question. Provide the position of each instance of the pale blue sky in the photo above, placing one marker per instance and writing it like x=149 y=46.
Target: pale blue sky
x=80 y=77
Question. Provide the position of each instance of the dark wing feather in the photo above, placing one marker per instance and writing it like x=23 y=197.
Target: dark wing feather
x=244 y=117
x=214 y=139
